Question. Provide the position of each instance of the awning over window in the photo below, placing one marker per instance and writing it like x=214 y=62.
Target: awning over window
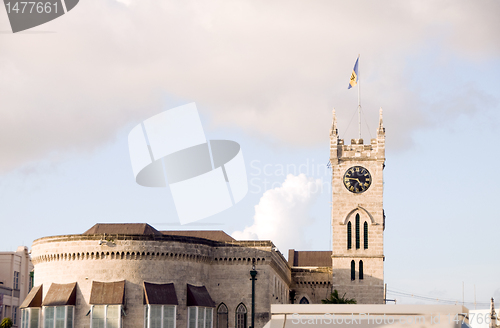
x=160 y=294
x=198 y=296
x=107 y=292
x=34 y=298
x=61 y=294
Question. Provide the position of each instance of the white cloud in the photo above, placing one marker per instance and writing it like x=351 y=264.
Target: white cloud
x=282 y=214
x=273 y=69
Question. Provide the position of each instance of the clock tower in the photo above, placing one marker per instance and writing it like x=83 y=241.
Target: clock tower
x=358 y=219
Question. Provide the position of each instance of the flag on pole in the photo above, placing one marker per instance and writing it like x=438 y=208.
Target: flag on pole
x=354 y=76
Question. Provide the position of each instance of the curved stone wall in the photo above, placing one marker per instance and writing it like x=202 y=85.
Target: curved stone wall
x=221 y=267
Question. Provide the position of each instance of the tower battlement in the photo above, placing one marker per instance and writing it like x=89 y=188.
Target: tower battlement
x=357 y=150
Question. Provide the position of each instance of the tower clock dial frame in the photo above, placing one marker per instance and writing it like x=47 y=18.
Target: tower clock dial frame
x=357 y=179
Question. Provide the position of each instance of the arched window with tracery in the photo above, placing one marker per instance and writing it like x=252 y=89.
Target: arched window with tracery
x=353 y=270
x=349 y=235
x=304 y=300
x=361 y=270
x=365 y=234
x=222 y=316
x=357 y=232
x=241 y=316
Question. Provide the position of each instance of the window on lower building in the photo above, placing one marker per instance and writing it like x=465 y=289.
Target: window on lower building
x=200 y=317
x=7 y=311
x=32 y=280
x=14 y=315
x=222 y=314
x=361 y=270
x=30 y=318
x=304 y=300
x=24 y=319
x=106 y=316
x=241 y=316
x=48 y=315
x=353 y=270
x=58 y=316
x=16 y=280
x=159 y=316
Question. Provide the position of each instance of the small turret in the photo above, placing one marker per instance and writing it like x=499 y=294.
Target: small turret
x=333 y=130
x=380 y=141
x=334 y=140
x=381 y=129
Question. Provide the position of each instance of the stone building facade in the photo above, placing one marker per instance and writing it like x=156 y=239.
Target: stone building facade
x=15 y=282
x=132 y=275
x=137 y=254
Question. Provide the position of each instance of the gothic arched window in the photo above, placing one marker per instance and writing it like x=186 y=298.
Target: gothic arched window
x=241 y=316
x=304 y=300
x=360 y=270
x=222 y=316
x=357 y=232
x=353 y=270
x=349 y=235
x=365 y=234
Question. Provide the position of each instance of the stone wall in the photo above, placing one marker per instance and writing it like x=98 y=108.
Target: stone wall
x=315 y=284
x=222 y=267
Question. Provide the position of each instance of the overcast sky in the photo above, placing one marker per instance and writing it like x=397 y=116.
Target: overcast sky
x=267 y=75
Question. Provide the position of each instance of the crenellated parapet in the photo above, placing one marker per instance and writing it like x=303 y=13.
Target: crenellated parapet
x=357 y=150
x=165 y=248
x=129 y=255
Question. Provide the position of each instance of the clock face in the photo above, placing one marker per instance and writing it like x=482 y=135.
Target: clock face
x=357 y=179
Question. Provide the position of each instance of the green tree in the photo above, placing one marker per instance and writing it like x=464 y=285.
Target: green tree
x=336 y=299
x=6 y=323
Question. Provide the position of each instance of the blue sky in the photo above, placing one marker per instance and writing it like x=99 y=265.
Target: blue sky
x=266 y=75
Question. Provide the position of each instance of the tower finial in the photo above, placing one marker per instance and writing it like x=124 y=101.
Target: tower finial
x=333 y=130
x=380 y=129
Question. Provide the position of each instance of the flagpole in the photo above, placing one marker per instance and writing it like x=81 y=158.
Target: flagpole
x=359 y=102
